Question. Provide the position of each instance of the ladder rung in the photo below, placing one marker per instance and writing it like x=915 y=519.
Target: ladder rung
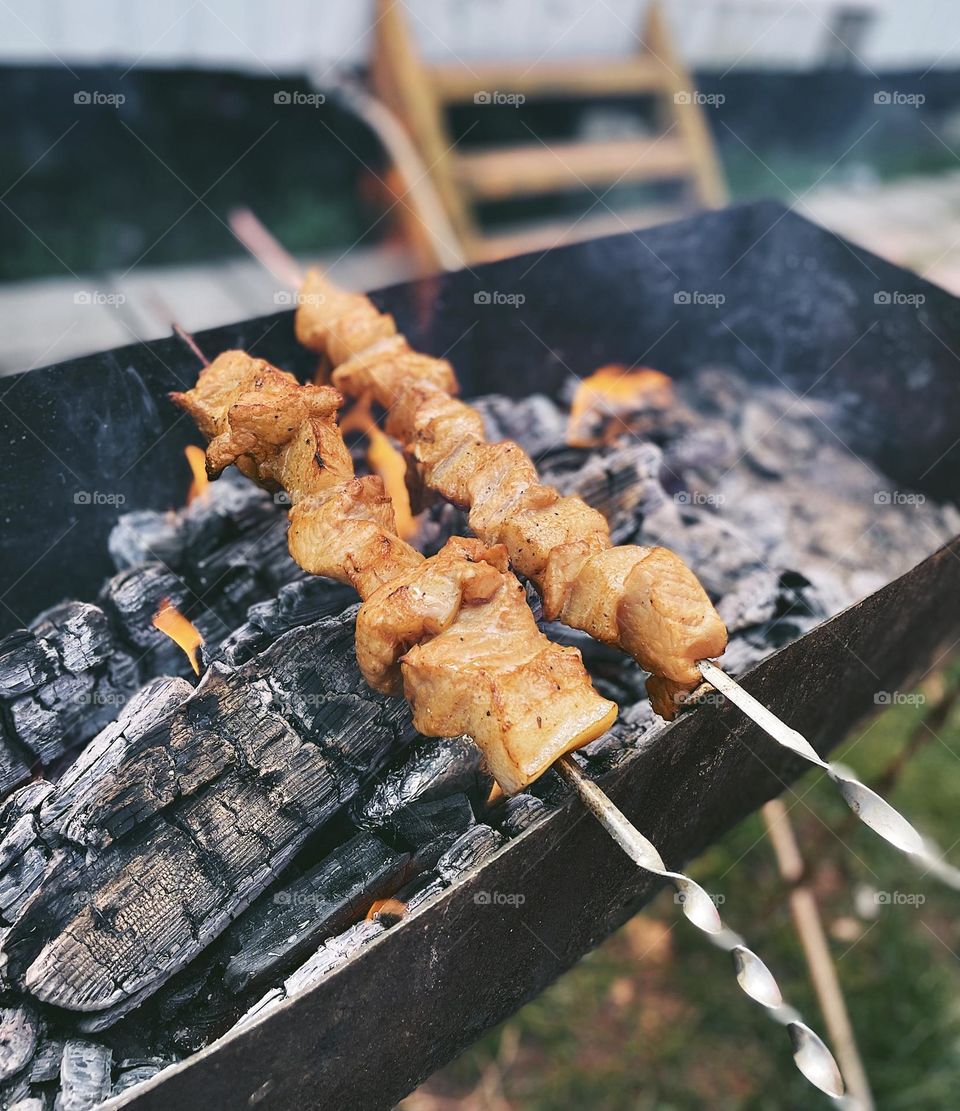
x=455 y=82
x=502 y=172
x=546 y=234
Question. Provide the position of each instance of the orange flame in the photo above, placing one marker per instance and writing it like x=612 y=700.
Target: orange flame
x=197 y=459
x=608 y=393
x=389 y=908
x=386 y=461
x=169 y=620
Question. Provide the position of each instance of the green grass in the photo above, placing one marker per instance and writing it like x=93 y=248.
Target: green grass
x=651 y=1019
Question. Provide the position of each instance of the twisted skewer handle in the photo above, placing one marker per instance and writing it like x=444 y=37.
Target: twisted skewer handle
x=869 y=807
x=811 y=1055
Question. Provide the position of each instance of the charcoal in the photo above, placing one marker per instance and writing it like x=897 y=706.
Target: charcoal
x=425 y=823
x=199 y=809
x=26 y=663
x=15 y=761
x=437 y=524
x=132 y=1074
x=536 y=422
x=624 y=484
x=133 y=596
x=45 y=1065
x=283 y=926
x=300 y=602
x=79 y=633
x=130 y=770
x=19 y=1030
x=473 y=848
x=421 y=892
x=721 y=553
x=332 y=953
x=15 y=1092
x=774 y=445
x=752 y=601
x=29 y=1103
x=702 y=455
x=521 y=812
x=296 y=603
x=84 y=1076
x=231 y=509
x=146 y=536
x=435 y=769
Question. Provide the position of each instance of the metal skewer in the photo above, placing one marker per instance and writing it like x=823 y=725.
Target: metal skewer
x=812 y=1057
x=872 y=810
x=869 y=807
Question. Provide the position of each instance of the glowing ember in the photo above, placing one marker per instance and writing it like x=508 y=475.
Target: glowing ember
x=386 y=461
x=169 y=620
x=386 y=908
x=198 y=466
x=608 y=396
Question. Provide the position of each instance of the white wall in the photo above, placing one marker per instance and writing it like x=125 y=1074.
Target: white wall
x=283 y=36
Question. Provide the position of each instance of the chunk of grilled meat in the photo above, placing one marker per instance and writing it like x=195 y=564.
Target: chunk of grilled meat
x=645 y=600
x=453 y=633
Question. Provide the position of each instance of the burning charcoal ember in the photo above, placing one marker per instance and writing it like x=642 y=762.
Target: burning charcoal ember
x=134 y=1072
x=19 y=1031
x=536 y=422
x=623 y=483
x=85 y=1076
x=474 y=848
x=436 y=769
x=146 y=536
x=201 y=803
x=132 y=597
x=285 y=925
x=520 y=812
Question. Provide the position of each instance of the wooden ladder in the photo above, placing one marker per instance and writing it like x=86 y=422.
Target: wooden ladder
x=420 y=94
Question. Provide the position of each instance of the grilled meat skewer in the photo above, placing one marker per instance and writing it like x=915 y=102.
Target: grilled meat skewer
x=453 y=633
x=643 y=600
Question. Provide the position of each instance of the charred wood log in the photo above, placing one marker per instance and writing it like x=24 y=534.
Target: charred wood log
x=285 y=926
x=181 y=813
x=61 y=681
x=85 y=1076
